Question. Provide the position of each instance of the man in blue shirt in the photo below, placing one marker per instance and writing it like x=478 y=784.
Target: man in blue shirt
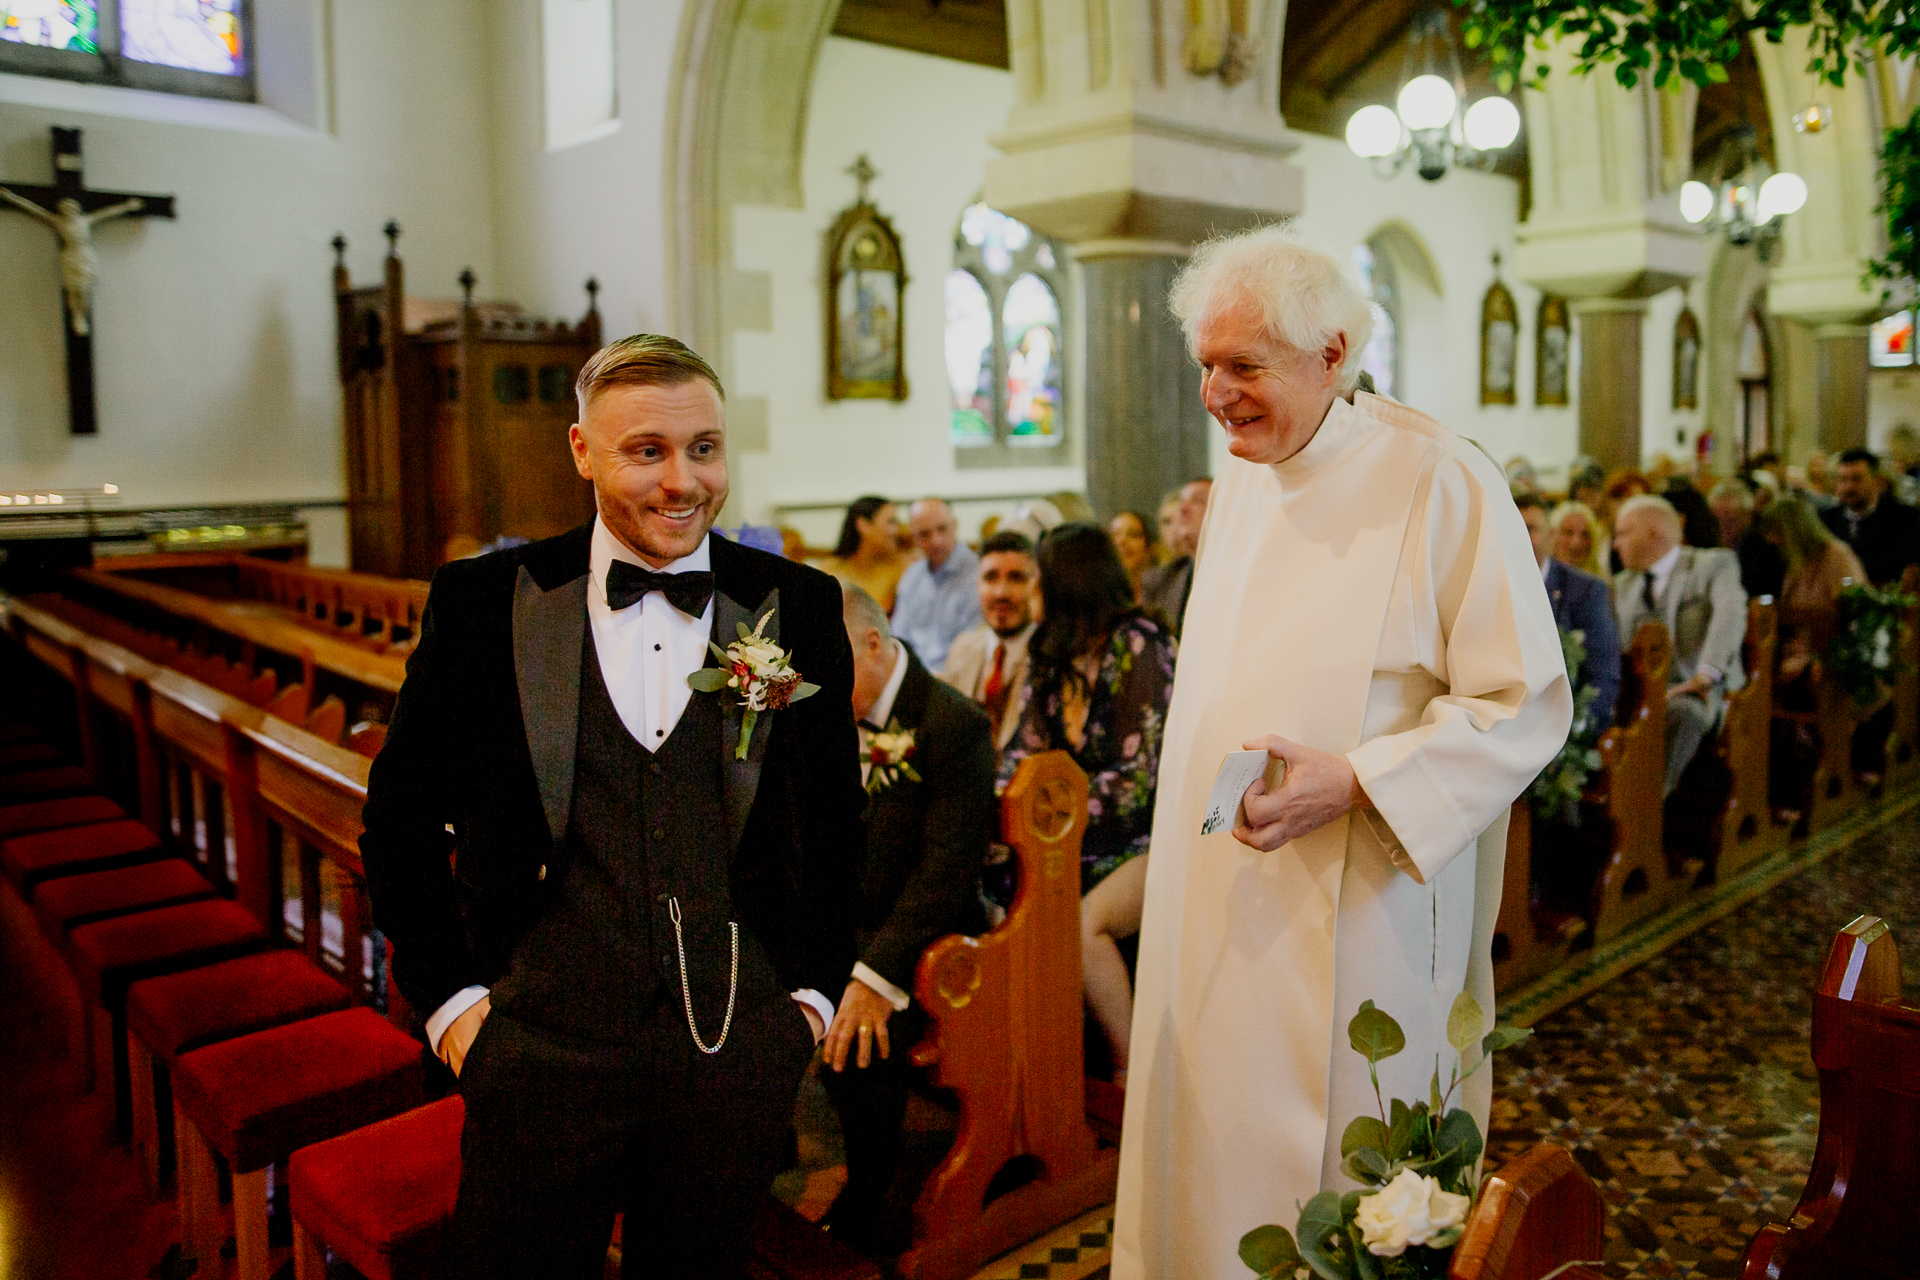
x=936 y=599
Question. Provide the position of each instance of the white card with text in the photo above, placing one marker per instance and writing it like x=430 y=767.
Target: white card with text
x=1237 y=772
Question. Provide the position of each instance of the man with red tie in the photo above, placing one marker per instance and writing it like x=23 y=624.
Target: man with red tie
x=989 y=663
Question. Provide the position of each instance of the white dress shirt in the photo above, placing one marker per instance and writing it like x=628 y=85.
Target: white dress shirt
x=646 y=653
x=877 y=715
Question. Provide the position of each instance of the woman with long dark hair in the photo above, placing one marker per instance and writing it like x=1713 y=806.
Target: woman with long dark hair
x=1100 y=678
x=868 y=553
x=1133 y=541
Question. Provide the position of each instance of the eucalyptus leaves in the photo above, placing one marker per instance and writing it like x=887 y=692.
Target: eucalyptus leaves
x=1420 y=1159
x=762 y=673
x=1555 y=794
x=1865 y=656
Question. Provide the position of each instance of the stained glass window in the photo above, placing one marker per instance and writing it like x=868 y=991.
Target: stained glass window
x=1005 y=335
x=172 y=46
x=970 y=357
x=1890 y=341
x=1381 y=359
x=195 y=35
x=52 y=24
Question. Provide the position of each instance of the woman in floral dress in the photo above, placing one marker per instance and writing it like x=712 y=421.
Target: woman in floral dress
x=1101 y=678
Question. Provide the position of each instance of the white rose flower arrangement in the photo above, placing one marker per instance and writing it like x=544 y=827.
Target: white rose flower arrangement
x=1420 y=1163
x=760 y=671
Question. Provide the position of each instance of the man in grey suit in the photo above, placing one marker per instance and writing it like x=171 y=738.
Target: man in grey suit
x=1696 y=592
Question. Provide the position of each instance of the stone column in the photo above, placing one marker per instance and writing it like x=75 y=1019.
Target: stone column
x=1146 y=430
x=1609 y=333
x=1840 y=378
x=1139 y=128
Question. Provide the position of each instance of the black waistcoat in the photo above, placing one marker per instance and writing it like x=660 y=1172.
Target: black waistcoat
x=646 y=830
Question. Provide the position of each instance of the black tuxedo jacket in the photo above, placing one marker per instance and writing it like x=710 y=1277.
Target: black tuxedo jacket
x=1888 y=541
x=468 y=801
x=927 y=840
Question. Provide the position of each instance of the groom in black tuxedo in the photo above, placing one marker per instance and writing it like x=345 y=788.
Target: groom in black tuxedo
x=618 y=925
x=926 y=840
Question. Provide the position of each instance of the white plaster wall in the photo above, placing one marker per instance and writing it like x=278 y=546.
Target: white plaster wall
x=924 y=123
x=214 y=334
x=1664 y=429
x=1893 y=397
x=1461 y=220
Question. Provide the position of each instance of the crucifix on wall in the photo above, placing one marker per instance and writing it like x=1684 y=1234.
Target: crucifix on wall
x=72 y=211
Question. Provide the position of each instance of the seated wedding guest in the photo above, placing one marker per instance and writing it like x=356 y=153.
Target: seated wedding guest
x=1883 y=532
x=1168 y=518
x=1815 y=565
x=1819 y=481
x=1521 y=475
x=1698 y=526
x=1166 y=588
x=1623 y=483
x=1581 y=602
x=1134 y=544
x=1696 y=592
x=1761 y=567
x=1101 y=679
x=1903 y=462
x=989 y=663
x=1586 y=482
x=936 y=600
x=868 y=553
x=926 y=839
x=1578 y=540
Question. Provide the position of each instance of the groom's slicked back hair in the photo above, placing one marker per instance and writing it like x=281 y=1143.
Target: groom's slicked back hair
x=1304 y=297
x=643 y=360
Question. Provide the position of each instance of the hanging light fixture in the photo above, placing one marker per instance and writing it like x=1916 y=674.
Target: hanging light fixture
x=1747 y=200
x=1426 y=123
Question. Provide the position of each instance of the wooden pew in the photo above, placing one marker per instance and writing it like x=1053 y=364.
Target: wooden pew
x=1860 y=1212
x=1006 y=1036
x=1836 y=791
x=1635 y=882
x=1903 y=746
x=1745 y=831
x=1527 y=941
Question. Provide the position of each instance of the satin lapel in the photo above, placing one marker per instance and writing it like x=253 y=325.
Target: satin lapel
x=549 y=628
x=743 y=776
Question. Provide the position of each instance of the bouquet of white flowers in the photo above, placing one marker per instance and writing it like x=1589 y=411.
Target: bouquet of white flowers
x=1420 y=1160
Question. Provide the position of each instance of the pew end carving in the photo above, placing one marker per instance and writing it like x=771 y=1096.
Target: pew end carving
x=1538 y=1215
x=1745 y=831
x=1635 y=881
x=1006 y=1037
x=1860 y=1212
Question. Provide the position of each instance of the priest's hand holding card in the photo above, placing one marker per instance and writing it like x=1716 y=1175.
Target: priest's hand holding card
x=1316 y=787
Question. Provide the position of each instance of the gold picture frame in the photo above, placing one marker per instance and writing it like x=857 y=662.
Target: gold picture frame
x=1552 y=352
x=865 y=296
x=1499 y=343
x=1686 y=359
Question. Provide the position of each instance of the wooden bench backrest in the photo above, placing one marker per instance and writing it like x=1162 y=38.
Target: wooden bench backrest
x=1747 y=831
x=1860 y=1212
x=1539 y=1213
x=1634 y=881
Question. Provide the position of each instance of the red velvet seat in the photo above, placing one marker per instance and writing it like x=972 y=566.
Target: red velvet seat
x=50 y=815
x=66 y=903
x=30 y=859
x=44 y=784
x=381 y=1197
x=181 y=1012
x=16 y=757
x=258 y=1099
x=17 y=731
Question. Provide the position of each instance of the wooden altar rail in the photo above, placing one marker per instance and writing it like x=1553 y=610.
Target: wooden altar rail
x=262 y=807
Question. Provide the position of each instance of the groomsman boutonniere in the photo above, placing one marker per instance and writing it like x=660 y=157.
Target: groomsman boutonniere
x=760 y=670
x=889 y=758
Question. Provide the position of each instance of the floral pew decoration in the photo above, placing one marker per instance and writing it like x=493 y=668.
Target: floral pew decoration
x=1420 y=1161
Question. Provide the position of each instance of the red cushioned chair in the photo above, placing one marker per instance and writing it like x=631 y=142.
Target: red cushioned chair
x=68 y=902
x=381 y=1198
x=45 y=784
x=50 y=815
x=100 y=846
x=181 y=1012
x=16 y=757
x=258 y=1099
x=108 y=955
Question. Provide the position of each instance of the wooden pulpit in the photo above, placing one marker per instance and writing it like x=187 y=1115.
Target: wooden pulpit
x=1006 y=1037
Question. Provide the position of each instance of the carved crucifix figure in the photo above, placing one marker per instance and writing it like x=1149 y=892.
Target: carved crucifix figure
x=72 y=210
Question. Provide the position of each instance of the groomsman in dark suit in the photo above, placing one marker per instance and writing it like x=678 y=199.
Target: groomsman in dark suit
x=617 y=916
x=1883 y=531
x=927 y=754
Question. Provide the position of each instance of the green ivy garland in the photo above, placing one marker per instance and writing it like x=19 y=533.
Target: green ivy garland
x=1865 y=657
x=1900 y=202
x=1555 y=794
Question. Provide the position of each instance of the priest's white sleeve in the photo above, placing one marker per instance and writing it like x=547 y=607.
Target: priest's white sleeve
x=1507 y=703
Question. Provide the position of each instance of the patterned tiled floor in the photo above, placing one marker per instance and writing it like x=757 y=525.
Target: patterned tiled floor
x=1684 y=1087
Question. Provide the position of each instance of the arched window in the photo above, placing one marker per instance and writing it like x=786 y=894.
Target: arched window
x=1381 y=360
x=202 y=47
x=1756 y=387
x=1005 y=336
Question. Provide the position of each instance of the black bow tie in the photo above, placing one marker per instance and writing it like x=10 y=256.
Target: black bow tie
x=687 y=592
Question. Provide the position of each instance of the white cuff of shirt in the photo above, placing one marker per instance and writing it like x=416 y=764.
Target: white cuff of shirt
x=1711 y=672
x=892 y=994
x=443 y=1017
x=820 y=1005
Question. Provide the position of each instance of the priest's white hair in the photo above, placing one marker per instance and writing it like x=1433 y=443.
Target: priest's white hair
x=1304 y=296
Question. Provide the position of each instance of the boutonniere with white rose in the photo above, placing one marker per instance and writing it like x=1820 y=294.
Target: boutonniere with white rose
x=1419 y=1160
x=760 y=671
x=889 y=757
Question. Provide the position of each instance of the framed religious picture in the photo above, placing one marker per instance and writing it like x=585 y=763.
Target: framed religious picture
x=866 y=284
x=1686 y=360
x=1499 y=342
x=1553 y=341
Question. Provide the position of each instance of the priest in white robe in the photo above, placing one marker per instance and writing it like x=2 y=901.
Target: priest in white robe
x=1366 y=607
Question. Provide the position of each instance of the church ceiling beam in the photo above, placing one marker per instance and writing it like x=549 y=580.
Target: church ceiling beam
x=968 y=30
